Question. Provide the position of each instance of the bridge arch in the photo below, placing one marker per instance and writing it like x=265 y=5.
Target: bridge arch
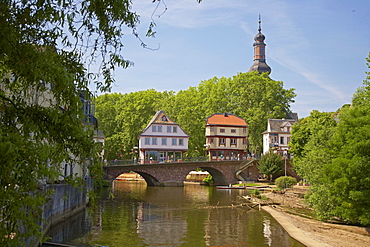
x=149 y=179
x=174 y=174
x=218 y=177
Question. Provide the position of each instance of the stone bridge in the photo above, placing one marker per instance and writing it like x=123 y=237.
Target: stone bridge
x=174 y=174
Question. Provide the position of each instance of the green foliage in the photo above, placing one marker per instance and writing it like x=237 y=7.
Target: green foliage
x=270 y=164
x=208 y=180
x=251 y=96
x=255 y=192
x=44 y=49
x=285 y=182
x=335 y=159
x=309 y=144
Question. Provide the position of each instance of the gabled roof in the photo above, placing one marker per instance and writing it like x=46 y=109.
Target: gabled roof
x=160 y=118
x=275 y=125
x=226 y=119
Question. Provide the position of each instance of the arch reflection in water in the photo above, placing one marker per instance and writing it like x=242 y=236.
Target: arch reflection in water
x=191 y=216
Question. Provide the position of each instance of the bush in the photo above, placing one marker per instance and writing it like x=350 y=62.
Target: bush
x=208 y=180
x=285 y=182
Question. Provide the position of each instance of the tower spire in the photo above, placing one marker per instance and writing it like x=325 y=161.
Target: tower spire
x=259 y=60
x=259 y=23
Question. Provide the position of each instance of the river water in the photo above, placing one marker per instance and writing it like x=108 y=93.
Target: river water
x=133 y=214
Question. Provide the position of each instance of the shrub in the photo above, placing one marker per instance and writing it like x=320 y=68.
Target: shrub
x=285 y=182
x=208 y=180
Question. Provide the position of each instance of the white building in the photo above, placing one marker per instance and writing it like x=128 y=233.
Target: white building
x=278 y=134
x=162 y=140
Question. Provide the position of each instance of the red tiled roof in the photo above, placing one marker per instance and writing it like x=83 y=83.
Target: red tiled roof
x=225 y=119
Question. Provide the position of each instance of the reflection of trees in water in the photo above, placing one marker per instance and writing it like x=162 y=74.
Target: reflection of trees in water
x=181 y=216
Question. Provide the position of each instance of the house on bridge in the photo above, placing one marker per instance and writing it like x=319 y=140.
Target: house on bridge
x=162 y=140
x=278 y=134
x=226 y=137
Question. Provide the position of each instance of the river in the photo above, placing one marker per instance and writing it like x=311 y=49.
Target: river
x=133 y=214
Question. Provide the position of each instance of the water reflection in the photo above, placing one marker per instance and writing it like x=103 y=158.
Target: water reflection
x=180 y=216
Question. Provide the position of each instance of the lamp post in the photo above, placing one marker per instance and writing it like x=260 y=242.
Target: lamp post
x=285 y=156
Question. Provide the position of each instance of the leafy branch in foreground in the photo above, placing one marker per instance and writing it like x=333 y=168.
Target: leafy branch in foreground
x=47 y=50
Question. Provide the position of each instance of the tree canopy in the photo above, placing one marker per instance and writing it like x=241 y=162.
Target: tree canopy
x=270 y=164
x=47 y=52
x=252 y=96
x=335 y=159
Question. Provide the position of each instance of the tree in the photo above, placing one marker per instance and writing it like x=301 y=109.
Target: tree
x=309 y=144
x=43 y=67
x=270 y=164
x=335 y=159
x=251 y=96
x=285 y=182
x=186 y=109
x=344 y=189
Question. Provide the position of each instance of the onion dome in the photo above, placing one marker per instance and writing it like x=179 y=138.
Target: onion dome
x=259 y=61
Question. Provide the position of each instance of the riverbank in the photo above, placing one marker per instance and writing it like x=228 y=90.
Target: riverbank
x=309 y=231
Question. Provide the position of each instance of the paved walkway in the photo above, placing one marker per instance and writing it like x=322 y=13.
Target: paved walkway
x=292 y=230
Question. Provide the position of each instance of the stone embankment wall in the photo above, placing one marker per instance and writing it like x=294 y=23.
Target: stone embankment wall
x=65 y=202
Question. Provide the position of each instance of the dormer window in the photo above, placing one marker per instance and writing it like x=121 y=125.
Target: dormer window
x=164 y=118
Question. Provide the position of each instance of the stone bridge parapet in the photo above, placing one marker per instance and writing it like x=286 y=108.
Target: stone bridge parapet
x=174 y=174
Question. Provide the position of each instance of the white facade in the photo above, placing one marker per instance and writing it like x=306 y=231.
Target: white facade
x=277 y=136
x=162 y=140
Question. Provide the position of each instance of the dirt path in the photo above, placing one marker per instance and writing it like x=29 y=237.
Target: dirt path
x=312 y=232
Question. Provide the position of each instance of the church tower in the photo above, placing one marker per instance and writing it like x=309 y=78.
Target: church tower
x=259 y=59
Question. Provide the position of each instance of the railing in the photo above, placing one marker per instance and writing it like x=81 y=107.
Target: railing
x=192 y=159
x=133 y=162
x=120 y=162
x=242 y=167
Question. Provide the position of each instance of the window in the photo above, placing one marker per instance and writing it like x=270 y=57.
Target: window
x=222 y=130
x=233 y=130
x=168 y=129
x=174 y=129
x=164 y=141
x=281 y=140
x=288 y=139
x=181 y=142
x=174 y=141
x=147 y=141
x=212 y=129
x=244 y=141
x=244 y=130
x=222 y=141
x=233 y=141
x=164 y=118
x=288 y=129
x=154 y=128
x=211 y=140
x=154 y=140
x=159 y=128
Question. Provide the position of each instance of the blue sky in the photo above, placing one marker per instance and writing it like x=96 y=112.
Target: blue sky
x=317 y=47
